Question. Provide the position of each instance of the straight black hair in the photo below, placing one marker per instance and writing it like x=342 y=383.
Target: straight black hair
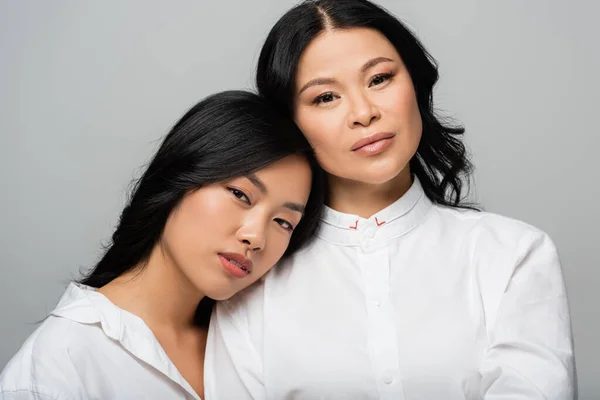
x=441 y=162
x=226 y=135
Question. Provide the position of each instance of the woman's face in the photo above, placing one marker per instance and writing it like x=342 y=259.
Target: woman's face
x=225 y=236
x=356 y=104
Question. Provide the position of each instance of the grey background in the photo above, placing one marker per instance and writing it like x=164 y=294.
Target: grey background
x=87 y=88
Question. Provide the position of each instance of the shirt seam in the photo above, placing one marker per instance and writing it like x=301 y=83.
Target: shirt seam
x=73 y=366
x=477 y=272
x=34 y=389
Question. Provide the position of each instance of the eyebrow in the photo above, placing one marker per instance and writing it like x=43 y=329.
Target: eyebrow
x=328 y=81
x=263 y=189
x=317 y=82
x=371 y=63
x=295 y=207
x=258 y=183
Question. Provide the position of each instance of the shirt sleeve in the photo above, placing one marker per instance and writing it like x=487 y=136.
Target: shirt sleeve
x=233 y=368
x=530 y=355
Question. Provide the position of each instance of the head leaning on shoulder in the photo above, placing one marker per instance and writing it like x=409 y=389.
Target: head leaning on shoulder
x=233 y=187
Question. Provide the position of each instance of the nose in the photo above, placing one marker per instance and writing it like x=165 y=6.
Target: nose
x=363 y=112
x=252 y=235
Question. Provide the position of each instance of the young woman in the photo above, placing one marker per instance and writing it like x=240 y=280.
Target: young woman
x=407 y=293
x=225 y=197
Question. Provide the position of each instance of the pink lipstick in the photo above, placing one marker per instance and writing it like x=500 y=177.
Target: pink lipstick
x=235 y=264
x=374 y=144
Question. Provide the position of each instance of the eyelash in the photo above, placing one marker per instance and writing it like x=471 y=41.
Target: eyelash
x=385 y=76
x=319 y=99
x=281 y=222
x=239 y=193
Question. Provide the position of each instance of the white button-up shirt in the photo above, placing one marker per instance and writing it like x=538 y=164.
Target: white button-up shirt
x=417 y=302
x=88 y=348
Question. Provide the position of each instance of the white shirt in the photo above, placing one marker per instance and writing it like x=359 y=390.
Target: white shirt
x=88 y=348
x=417 y=302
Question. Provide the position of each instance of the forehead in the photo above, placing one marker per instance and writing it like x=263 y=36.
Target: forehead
x=349 y=48
x=289 y=178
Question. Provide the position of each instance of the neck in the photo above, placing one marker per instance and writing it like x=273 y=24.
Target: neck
x=364 y=199
x=157 y=292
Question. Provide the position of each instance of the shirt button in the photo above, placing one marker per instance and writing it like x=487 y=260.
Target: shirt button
x=388 y=378
x=370 y=232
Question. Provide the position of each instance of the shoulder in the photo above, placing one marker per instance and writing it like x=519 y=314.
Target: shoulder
x=498 y=235
x=496 y=245
x=236 y=310
x=249 y=303
x=245 y=311
x=490 y=230
x=509 y=254
x=42 y=367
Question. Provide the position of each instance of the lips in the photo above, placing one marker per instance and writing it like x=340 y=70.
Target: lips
x=371 y=139
x=238 y=260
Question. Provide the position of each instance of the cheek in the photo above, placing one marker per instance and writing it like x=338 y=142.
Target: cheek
x=181 y=237
x=201 y=217
x=401 y=106
x=213 y=213
x=207 y=204
x=408 y=108
x=412 y=112
x=401 y=101
x=319 y=127
x=277 y=245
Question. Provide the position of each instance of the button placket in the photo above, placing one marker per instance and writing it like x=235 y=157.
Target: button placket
x=367 y=231
x=388 y=378
x=370 y=232
x=382 y=337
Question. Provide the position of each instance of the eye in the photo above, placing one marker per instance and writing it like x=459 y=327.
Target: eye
x=324 y=98
x=239 y=194
x=380 y=78
x=285 y=224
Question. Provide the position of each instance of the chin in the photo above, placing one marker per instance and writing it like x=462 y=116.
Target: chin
x=222 y=295
x=381 y=175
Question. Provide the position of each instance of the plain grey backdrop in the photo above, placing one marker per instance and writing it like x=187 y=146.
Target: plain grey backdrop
x=87 y=89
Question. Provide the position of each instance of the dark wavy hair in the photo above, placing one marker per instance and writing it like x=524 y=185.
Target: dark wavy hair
x=226 y=135
x=441 y=162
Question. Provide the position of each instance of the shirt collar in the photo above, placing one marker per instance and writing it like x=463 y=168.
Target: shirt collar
x=83 y=304
x=395 y=220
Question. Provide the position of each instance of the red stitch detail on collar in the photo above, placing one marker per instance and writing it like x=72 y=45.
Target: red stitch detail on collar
x=355 y=225
x=379 y=223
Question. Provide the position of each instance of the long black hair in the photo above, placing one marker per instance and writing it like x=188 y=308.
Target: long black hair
x=226 y=135
x=441 y=162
